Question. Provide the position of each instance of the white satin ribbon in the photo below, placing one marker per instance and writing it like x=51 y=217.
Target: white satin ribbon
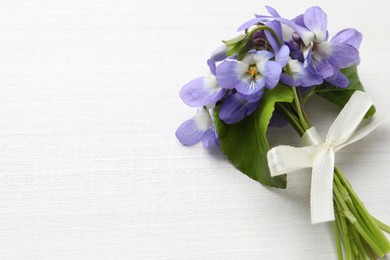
x=320 y=154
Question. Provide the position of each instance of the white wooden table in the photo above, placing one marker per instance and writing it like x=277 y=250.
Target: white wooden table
x=90 y=167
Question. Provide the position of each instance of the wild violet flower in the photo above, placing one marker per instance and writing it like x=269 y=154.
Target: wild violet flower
x=202 y=91
x=236 y=107
x=198 y=128
x=321 y=57
x=250 y=75
x=249 y=78
x=299 y=76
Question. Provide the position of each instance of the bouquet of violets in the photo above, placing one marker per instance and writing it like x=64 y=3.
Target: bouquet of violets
x=266 y=74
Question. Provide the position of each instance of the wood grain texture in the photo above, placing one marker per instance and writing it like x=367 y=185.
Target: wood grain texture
x=90 y=167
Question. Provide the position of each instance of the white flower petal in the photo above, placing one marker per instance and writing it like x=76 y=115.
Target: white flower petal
x=203 y=119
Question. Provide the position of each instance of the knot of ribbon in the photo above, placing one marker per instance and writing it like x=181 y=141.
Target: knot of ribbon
x=320 y=154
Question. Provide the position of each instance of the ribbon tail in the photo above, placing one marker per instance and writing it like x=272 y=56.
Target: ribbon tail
x=321 y=199
x=284 y=159
x=363 y=132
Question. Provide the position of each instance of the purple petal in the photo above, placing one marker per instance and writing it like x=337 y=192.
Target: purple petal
x=323 y=68
x=357 y=61
x=306 y=35
x=272 y=72
x=338 y=80
x=249 y=86
x=318 y=64
x=272 y=11
x=295 y=50
x=219 y=54
x=212 y=67
x=201 y=91
x=234 y=108
x=283 y=56
x=277 y=27
x=260 y=56
x=299 y=20
x=348 y=36
x=188 y=133
x=300 y=76
x=227 y=73
x=308 y=79
x=343 y=55
x=254 y=97
x=210 y=138
x=191 y=131
x=316 y=21
x=287 y=80
x=251 y=22
x=303 y=80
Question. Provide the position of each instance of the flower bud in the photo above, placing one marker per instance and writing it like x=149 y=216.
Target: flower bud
x=259 y=39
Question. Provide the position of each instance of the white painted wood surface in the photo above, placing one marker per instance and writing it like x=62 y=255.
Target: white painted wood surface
x=90 y=167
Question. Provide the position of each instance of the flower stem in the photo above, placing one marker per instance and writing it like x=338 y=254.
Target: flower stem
x=343 y=230
x=337 y=236
x=266 y=28
x=302 y=119
x=294 y=121
x=382 y=225
x=370 y=222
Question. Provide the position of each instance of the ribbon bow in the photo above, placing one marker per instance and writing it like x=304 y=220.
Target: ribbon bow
x=320 y=154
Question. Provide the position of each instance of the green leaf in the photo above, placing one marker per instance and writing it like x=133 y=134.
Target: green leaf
x=240 y=48
x=245 y=143
x=243 y=52
x=234 y=40
x=236 y=48
x=340 y=96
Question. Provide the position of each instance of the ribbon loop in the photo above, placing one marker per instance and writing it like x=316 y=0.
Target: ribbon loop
x=287 y=159
x=320 y=154
x=349 y=118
